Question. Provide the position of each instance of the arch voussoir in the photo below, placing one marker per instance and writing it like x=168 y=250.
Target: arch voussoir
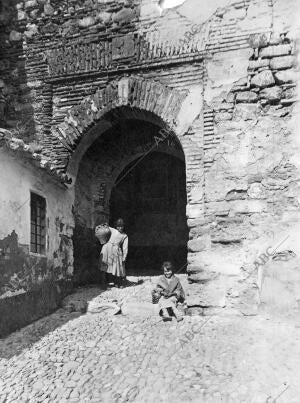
x=140 y=94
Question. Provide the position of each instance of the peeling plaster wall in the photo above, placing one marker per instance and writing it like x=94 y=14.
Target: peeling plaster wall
x=22 y=273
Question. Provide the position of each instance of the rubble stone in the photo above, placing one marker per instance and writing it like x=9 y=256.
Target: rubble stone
x=263 y=79
x=273 y=51
x=15 y=36
x=283 y=62
x=272 y=93
x=246 y=96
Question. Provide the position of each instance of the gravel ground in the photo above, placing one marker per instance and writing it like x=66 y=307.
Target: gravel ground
x=100 y=357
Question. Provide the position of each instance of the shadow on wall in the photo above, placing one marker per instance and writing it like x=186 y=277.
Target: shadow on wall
x=86 y=256
x=29 y=287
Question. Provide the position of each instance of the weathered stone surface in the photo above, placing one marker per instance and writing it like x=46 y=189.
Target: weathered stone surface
x=15 y=36
x=257 y=191
x=236 y=194
x=105 y=17
x=30 y=4
x=48 y=9
x=263 y=79
x=283 y=62
x=197 y=275
x=221 y=116
x=246 y=111
x=258 y=40
x=195 y=222
x=124 y=16
x=259 y=63
x=251 y=206
x=273 y=51
x=286 y=76
x=199 y=244
x=32 y=30
x=194 y=211
x=86 y=22
x=246 y=96
x=272 y=93
x=196 y=194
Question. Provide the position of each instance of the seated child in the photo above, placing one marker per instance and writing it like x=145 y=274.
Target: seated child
x=168 y=292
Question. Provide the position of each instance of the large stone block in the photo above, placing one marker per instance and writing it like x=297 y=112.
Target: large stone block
x=246 y=96
x=15 y=36
x=196 y=194
x=257 y=191
x=124 y=16
x=196 y=275
x=259 y=63
x=197 y=222
x=287 y=76
x=263 y=79
x=104 y=17
x=236 y=194
x=199 y=244
x=272 y=94
x=194 y=210
x=258 y=40
x=86 y=22
x=248 y=206
x=246 y=111
x=198 y=231
x=226 y=260
x=273 y=51
x=283 y=62
x=221 y=116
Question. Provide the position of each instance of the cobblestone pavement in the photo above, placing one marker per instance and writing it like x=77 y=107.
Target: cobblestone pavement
x=100 y=357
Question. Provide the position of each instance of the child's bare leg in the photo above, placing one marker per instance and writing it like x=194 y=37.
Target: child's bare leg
x=165 y=314
x=177 y=314
x=176 y=311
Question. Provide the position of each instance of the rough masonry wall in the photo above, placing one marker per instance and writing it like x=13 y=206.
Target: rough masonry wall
x=31 y=284
x=251 y=173
x=92 y=42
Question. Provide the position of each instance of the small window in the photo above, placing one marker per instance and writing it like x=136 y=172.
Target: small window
x=38 y=224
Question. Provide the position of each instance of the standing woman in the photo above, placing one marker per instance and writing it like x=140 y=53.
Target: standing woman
x=114 y=253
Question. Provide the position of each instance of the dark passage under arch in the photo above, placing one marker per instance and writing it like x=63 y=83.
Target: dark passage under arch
x=151 y=196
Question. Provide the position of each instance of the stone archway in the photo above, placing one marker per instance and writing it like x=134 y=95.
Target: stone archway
x=125 y=151
x=130 y=97
x=178 y=112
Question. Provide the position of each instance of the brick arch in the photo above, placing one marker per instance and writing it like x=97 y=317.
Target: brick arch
x=133 y=97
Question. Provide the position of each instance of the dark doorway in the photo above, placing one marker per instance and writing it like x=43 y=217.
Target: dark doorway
x=151 y=197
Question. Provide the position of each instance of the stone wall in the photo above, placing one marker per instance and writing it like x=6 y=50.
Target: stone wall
x=29 y=280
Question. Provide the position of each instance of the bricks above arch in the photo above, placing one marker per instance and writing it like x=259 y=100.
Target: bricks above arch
x=125 y=98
